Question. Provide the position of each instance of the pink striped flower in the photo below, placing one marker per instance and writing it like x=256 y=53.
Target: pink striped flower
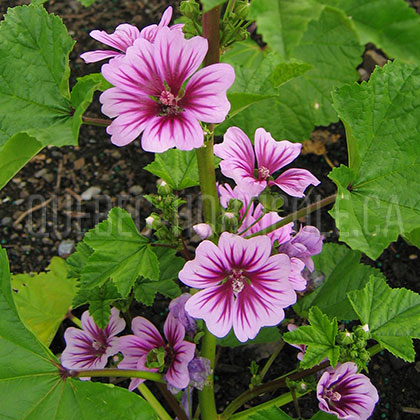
x=90 y=347
x=140 y=348
x=159 y=93
x=241 y=285
x=124 y=37
x=239 y=163
x=345 y=393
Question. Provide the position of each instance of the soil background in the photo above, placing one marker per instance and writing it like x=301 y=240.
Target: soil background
x=65 y=175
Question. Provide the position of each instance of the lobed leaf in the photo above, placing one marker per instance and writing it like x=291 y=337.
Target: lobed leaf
x=44 y=299
x=120 y=253
x=391 y=314
x=319 y=338
x=343 y=273
x=378 y=193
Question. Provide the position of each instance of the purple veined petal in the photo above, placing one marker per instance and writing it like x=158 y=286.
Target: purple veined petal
x=295 y=181
x=174 y=330
x=98 y=55
x=150 y=32
x=116 y=323
x=178 y=58
x=116 y=102
x=166 y=17
x=205 y=93
x=247 y=254
x=164 y=132
x=123 y=37
x=89 y=326
x=135 y=347
x=274 y=155
x=296 y=279
x=208 y=268
x=237 y=146
x=215 y=306
x=178 y=375
x=226 y=193
x=147 y=332
x=137 y=72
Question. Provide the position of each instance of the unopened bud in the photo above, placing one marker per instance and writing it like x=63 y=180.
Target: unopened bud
x=347 y=338
x=235 y=205
x=190 y=9
x=203 y=230
x=163 y=188
x=153 y=221
x=241 y=10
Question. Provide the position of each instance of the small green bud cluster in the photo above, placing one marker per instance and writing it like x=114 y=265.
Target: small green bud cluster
x=353 y=346
x=256 y=377
x=234 y=23
x=166 y=222
x=192 y=15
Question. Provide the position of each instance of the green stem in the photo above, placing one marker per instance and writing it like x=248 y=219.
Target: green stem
x=100 y=122
x=375 y=349
x=151 y=399
x=207 y=174
x=117 y=373
x=270 y=361
x=253 y=224
x=171 y=400
x=296 y=215
x=74 y=319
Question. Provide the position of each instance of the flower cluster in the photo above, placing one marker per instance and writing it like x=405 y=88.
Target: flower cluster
x=157 y=88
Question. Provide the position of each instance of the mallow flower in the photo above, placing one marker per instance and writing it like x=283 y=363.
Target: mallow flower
x=159 y=93
x=240 y=284
x=343 y=392
x=124 y=37
x=146 y=350
x=90 y=347
x=239 y=162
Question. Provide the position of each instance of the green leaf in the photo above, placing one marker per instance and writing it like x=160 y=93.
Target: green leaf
x=82 y=95
x=259 y=82
x=245 y=53
x=77 y=261
x=269 y=413
x=381 y=120
x=331 y=47
x=34 y=73
x=210 y=4
x=395 y=28
x=169 y=267
x=266 y=335
x=28 y=368
x=15 y=154
x=282 y=23
x=99 y=299
x=178 y=168
x=322 y=415
x=44 y=299
x=391 y=314
x=343 y=273
x=120 y=253
x=413 y=237
x=87 y=3
x=319 y=338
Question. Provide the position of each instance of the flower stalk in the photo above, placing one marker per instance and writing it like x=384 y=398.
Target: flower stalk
x=207 y=174
x=117 y=373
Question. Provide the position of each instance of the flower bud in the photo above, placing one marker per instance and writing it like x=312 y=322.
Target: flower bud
x=241 y=10
x=270 y=201
x=235 y=205
x=347 y=338
x=190 y=9
x=154 y=221
x=163 y=188
x=203 y=230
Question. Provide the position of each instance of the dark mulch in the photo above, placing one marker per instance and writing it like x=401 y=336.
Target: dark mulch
x=64 y=174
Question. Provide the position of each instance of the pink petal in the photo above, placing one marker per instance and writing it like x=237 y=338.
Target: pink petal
x=178 y=58
x=236 y=146
x=295 y=181
x=247 y=254
x=208 y=268
x=125 y=129
x=182 y=131
x=205 y=93
x=137 y=72
x=89 y=326
x=123 y=37
x=296 y=279
x=116 y=323
x=214 y=305
x=272 y=154
x=174 y=330
x=98 y=55
x=166 y=17
x=178 y=375
x=147 y=332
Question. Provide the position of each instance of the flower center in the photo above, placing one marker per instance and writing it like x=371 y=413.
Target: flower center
x=169 y=103
x=99 y=347
x=237 y=280
x=332 y=395
x=263 y=173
